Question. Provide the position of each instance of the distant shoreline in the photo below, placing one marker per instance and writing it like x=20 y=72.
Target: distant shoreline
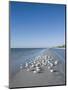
x=38 y=48
x=59 y=48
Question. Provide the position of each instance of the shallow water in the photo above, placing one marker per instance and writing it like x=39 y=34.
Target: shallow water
x=21 y=55
x=60 y=53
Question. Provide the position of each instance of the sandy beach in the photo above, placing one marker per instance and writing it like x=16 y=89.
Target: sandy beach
x=45 y=78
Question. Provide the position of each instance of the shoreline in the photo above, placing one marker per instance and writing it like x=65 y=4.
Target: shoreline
x=59 y=48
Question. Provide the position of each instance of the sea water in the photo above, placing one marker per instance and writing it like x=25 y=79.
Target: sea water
x=60 y=53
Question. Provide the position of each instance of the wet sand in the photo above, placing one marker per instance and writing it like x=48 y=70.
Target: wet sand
x=45 y=78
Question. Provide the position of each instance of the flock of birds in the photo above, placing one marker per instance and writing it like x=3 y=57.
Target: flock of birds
x=39 y=62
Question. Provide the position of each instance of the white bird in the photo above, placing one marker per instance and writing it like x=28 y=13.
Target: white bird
x=21 y=66
x=37 y=69
x=51 y=64
x=28 y=69
x=26 y=65
x=49 y=67
x=56 y=62
x=43 y=62
x=34 y=71
x=32 y=66
x=46 y=57
x=48 y=62
x=51 y=70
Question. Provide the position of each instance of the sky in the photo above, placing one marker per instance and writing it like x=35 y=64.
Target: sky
x=34 y=25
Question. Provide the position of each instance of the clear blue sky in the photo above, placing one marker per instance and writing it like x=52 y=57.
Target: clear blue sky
x=36 y=25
